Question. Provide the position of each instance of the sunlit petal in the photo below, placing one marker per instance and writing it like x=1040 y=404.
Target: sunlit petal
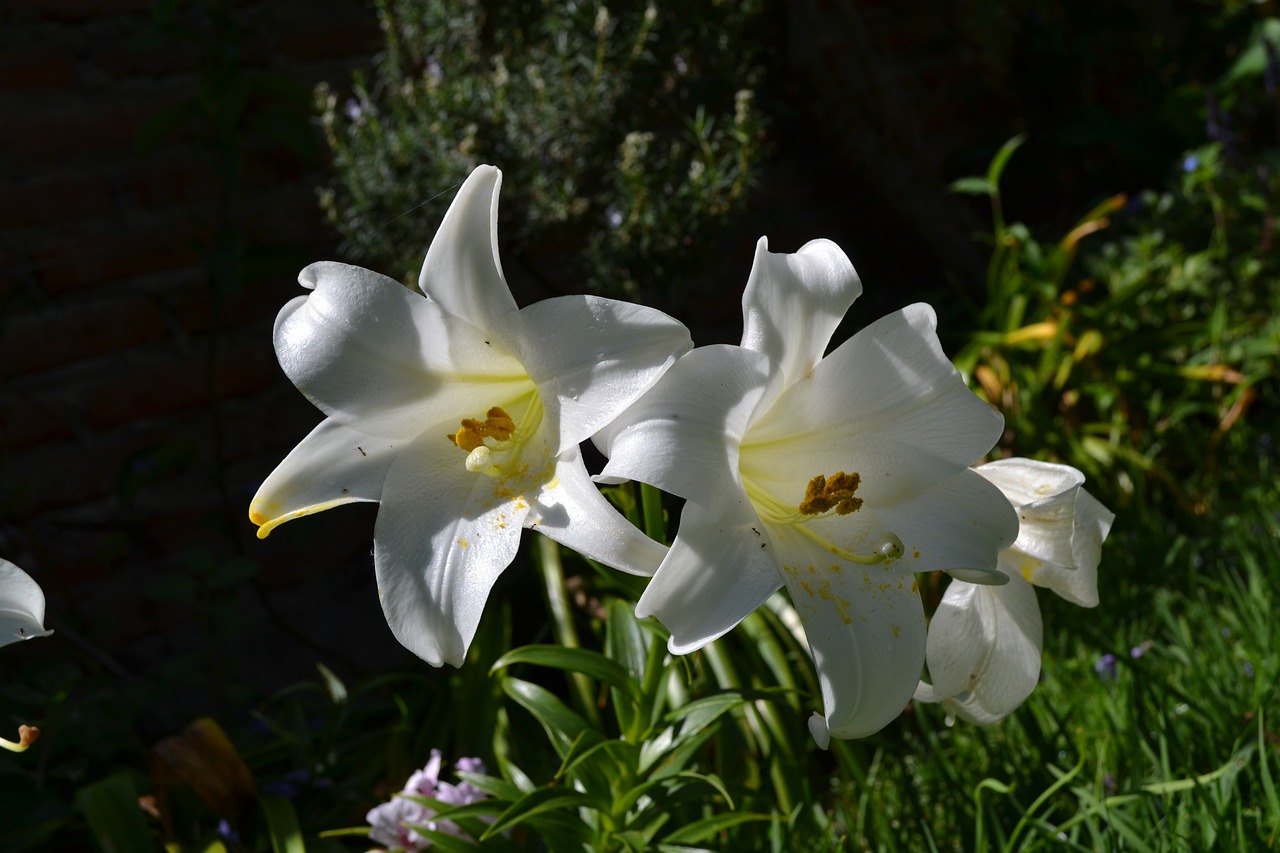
x=961 y=523
x=984 y=649
x=377 y=357
x=442 y=538
x=591 y=357
x=866 y=630
x=1059 y=543
x=334 y=465
x=462 y=271
x=21 y=606
x=682 y=436
x=571 y=510
x=718 y=570
x=794 y=302
x=1080 y=584
x=886 y=404
x=1026 y=481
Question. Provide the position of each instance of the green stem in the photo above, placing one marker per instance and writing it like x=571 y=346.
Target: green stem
x=655 y=522
x=562 y=622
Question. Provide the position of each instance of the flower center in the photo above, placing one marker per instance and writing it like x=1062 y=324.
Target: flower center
x=494 y=444
x=824 y=497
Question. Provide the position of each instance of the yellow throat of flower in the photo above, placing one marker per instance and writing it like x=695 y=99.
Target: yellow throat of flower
x=494 y=445
x=823 y=497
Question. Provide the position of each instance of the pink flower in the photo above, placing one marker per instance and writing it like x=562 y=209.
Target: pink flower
x=393 y=822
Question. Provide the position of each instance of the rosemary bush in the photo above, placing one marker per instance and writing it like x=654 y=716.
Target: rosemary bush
x=626 y=136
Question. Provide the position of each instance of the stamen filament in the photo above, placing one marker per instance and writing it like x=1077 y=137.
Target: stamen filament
x=26 y=736
x=775 y=512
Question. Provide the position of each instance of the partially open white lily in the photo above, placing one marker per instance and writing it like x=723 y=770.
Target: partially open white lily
x=21 y=606
x=21 y=618
x=984 y=642
x=838 y=477
x=462 y=416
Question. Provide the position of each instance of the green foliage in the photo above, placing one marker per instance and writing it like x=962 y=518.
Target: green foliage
x=1148 y=360
x=627 y=134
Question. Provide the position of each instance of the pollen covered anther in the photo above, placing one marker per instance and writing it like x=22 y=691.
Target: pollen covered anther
x=497 y=425
x=823 y=495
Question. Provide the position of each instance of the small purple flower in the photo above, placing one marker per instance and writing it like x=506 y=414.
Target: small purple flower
x=391 y=822
x=227 y=833
x=1105 y=667
x=1190 y=163
x=1248 y=669
x=1140 y=649
x=353 y=109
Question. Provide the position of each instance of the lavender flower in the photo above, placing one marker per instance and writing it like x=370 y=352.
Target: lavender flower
x=1105 y=667
x=392 y=822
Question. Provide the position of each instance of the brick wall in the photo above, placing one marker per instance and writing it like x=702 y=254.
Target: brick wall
x=141 y=400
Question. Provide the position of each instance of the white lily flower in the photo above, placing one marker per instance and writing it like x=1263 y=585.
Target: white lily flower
x=984 y=642
x=21 y=606
x=462 y=415
x=837 y=477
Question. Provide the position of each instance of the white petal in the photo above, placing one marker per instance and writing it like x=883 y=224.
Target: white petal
x=1080 y=584
x=377 y=357
x=682 y=436
x=443 y=536
x=21 y=606
x=886 y=404
x=793 y=303
x=1059 y=542
x=591 y=357
x=866 y=630
x=984 y=649
x=717 y=571
x=571 y=510
x=1026 y=481
x=334 y=465
x=462 y=271
x=960 y=523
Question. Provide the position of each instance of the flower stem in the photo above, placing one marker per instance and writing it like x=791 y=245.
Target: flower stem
x=655 y=523
x=562 y=621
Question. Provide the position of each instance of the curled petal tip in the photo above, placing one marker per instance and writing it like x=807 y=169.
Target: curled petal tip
x=821 y=733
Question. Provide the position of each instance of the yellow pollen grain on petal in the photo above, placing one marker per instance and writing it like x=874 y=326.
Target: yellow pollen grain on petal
x=463 y=543
x=1029 y=566
x=836 y=493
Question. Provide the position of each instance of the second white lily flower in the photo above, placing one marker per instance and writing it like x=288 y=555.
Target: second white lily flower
x=462 y=416
x=985 y=641
x=838 y=477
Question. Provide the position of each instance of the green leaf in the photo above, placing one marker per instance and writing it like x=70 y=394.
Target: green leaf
x=996 y=169
x=701 y=830
x=110 y=806
x=589 y=663
x=535 y=803
x=563 y=726
x=282 y=824
x=972 y=186
x=446 y=841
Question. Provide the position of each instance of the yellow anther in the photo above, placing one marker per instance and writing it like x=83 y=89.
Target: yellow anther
x=26 y=736
x=497 y=425
x=823 y=495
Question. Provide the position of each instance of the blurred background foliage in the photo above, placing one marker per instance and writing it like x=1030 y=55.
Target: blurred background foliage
x=1125 y=324
x=625 y=134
